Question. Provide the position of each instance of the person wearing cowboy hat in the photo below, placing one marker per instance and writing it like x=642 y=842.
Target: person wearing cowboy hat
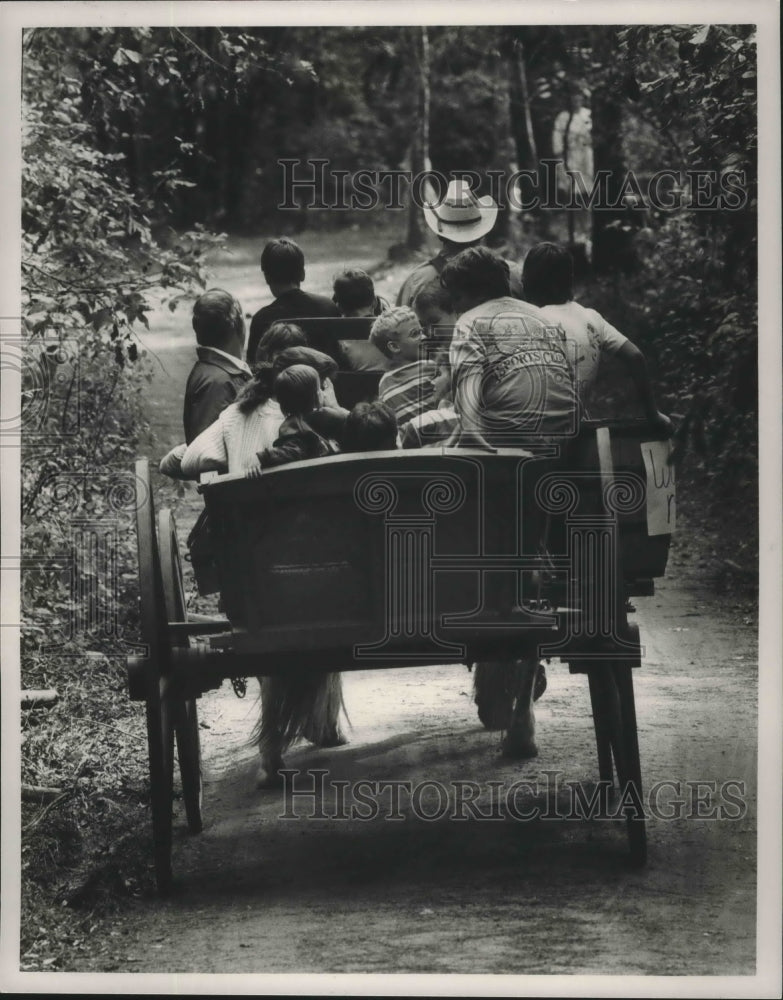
x=460 y=220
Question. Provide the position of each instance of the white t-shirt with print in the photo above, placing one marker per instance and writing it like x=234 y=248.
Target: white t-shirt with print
x=527 y=387
x=589 y=334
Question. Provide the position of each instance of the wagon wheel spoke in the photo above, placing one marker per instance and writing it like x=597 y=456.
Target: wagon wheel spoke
x=184 y=711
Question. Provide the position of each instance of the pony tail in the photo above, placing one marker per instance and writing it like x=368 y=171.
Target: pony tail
x=259 y=390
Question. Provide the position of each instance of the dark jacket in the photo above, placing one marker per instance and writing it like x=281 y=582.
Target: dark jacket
x=311 y=436
x=295 y=304
x=213 y=383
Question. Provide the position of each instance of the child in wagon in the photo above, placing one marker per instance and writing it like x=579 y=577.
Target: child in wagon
x=309 y=430
x=252 y=423
x=354 y=294
x=412 y=385
x=369 y=427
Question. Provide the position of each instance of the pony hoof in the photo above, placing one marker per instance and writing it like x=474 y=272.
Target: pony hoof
x=333 y=739
x=518 y=748
x=267 y=776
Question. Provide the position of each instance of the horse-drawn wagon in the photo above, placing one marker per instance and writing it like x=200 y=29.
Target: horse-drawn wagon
x=388 y=559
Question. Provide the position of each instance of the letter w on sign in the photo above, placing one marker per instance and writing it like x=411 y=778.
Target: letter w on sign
x=661 y=495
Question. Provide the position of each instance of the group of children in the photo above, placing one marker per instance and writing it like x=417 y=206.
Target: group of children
x=239 y=418
x=243 y=419
x=285 y=411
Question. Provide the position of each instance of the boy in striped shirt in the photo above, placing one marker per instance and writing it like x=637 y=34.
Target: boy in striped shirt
x=412 y=385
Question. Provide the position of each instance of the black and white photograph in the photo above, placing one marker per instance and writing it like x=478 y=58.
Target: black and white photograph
x=391 y=498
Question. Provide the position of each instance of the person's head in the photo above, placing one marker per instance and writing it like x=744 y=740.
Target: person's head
x=218 y=322
x=354 y=293
x=280 y=338
x=282 y=263
x=548 y=275
x=397 y=334
x=450 y=247
x=280 y=335
x=435 y=312
x=370 y=427
x=298 y=390
x=475 y=276
x=298 y=355
x=459 y=218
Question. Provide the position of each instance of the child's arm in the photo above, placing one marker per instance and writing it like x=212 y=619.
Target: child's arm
x=207 y=451
x=279 y=454
x=171 y=464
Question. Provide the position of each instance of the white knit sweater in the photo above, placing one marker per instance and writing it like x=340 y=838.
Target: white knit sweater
x=230 y=443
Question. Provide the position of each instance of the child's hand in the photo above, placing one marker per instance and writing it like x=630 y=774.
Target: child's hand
x=253 y=469
x=328 y=397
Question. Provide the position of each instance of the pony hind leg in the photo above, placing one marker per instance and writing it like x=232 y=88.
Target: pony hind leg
x=494 y=684
x=301 y=704
x=322 y=725
x=268 y=733
x=520 y=740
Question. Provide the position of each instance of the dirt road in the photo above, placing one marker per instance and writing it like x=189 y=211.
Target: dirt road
x=258 y=893
x=261 y=894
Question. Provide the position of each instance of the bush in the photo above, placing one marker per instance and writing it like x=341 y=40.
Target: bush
x=95 y=257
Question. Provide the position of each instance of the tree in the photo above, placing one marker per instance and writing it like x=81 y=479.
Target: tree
x=611 y=233
x=420 y=144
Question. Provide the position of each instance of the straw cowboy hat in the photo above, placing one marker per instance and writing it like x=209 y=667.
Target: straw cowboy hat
x=461 y=217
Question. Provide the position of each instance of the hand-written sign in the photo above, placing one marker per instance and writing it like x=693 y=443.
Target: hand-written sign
x=661 y=494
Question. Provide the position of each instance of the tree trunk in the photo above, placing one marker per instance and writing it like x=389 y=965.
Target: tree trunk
x=522 y=124
x=504 y=159
x=612 y=249
x=521 y=117
x=420 y=147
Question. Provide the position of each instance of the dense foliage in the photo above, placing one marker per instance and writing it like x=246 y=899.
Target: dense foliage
x=694 y=298
x=97 y=254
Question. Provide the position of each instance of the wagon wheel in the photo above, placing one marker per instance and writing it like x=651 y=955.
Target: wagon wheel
x=614 y=715
x=185 y=712
x=627 y=761
x=154 y=635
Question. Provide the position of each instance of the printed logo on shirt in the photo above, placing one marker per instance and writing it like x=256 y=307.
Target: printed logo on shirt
x=520 y=342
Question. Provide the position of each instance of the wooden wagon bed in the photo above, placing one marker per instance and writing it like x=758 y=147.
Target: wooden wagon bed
x=406 y=558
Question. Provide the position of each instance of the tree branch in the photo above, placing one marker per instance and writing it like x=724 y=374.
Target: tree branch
x=198 y=48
